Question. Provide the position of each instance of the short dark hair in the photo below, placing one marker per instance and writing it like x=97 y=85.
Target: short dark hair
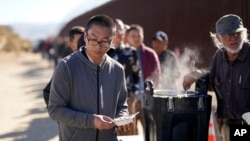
x=135 y=27
x=102 y=20
x=75 y=30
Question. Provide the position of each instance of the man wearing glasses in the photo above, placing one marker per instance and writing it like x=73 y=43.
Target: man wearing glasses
x=127 y=56
x=88 y=89
x=229 y=74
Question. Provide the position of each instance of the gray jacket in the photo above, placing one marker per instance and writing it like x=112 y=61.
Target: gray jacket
x=76 y=93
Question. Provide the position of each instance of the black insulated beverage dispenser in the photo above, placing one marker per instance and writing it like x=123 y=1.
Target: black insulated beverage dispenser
x=174 y=115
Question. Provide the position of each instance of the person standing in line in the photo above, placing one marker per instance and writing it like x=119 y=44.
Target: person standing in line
x=149 y=64
x=125 y=40
x=229 y=73
x=169 y=65
x=148 y=60
x=127 y=56
x=62 y=51
x=72 y=44
x=88 y=88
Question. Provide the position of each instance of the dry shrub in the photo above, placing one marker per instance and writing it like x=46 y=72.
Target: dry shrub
x=10 y=41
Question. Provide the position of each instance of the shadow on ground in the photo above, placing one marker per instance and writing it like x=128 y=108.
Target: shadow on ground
x=39 y=129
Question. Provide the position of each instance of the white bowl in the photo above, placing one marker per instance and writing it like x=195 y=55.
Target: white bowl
x=124 y=120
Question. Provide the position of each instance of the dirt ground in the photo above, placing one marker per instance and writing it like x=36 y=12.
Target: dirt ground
x=24 y=115
x=23 y=112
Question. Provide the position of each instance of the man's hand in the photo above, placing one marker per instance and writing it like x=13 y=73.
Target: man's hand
x=190 y=78
x=102 y=122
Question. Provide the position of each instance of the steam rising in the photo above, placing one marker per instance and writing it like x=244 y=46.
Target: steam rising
x=186 y=63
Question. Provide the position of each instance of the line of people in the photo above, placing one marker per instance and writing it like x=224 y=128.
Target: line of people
x=54 y=49
x=139 y=61
x=104 y=78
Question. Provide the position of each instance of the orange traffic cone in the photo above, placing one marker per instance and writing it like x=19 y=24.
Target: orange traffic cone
x=211 y=132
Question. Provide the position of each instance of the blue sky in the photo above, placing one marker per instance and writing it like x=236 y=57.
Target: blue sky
x=43 y=11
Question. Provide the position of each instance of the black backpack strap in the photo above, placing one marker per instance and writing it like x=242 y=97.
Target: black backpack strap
x=46 y=93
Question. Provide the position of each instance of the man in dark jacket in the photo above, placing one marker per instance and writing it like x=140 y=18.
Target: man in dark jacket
x=127 y=56
x=169 y=65
x=229 y=74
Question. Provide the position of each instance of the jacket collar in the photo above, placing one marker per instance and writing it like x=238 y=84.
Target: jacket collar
x=244 y=52
x=84 y=57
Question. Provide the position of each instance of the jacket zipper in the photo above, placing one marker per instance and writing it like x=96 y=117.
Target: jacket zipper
x=98 y=99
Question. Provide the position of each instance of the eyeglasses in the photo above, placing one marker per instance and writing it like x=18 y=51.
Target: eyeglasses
x=94 y=42
x=232 y=35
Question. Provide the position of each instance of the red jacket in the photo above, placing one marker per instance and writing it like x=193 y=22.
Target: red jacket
x=150 y=65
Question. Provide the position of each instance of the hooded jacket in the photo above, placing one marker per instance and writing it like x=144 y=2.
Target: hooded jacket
x=80 y=89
